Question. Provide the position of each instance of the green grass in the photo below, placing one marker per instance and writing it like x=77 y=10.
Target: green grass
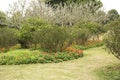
x=79 y=69
x=111 y=72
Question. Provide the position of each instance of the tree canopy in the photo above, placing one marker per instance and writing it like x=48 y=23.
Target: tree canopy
x=113 y=14
x=70 y=1
x=3 y=19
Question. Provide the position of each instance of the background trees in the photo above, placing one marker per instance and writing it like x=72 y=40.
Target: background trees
x=54 y=28
x=3 y=19
x=58 y=26
x=113 y=15
x=53 y=2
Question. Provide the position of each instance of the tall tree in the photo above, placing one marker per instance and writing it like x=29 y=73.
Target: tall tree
x=16 y=20
x=113 y=15
x=16 y=13
x=3 y=19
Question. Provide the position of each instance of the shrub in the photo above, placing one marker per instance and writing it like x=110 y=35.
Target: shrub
x=87 y=30
x=48 y=37
x=29 y=32
x=112 y=39
x=8 y=37
x=54 y=38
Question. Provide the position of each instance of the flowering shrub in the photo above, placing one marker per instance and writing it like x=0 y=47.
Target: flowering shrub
x=29 y=57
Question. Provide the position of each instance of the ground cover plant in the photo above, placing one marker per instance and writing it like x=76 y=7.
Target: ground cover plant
x=24 y=56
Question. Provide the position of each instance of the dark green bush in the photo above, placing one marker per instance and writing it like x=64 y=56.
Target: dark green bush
x=54 y=38
x=8 y=37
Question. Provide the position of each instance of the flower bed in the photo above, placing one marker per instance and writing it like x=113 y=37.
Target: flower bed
x=30 y=57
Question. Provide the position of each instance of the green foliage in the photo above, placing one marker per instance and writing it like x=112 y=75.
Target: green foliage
x=3 y=19
x=28 y=34
x=38 y=32
x=112 y=39
x=86 y=30
x=28 y=57
x=113 y=15
x=53 y=2
x=54 y=38
x=8 y=37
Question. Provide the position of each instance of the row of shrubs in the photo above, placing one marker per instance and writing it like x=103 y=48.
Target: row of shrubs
x=30 y=57
x=39 y=33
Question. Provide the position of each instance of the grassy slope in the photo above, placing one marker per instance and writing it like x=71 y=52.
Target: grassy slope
x=80 y=69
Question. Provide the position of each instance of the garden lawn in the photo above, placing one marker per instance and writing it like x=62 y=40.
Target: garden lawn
x=80 y=69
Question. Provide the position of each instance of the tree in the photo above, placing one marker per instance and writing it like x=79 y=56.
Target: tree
x=113 y=15
x=87 y=30
x=16 y=13
x=16 y=20
x=3 y=19
x=112 y=39
x=53 y=2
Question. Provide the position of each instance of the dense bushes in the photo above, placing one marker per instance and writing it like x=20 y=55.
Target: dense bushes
x=48 y=38
x=29 y=57
x=8 y=37
x=28 y=34
x=112 y=39
x=87 y=30
x=54 y=38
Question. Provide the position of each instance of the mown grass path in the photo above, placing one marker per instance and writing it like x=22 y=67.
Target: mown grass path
x=80 y=69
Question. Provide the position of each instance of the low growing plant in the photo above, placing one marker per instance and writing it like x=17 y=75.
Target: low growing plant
x=29 y=57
